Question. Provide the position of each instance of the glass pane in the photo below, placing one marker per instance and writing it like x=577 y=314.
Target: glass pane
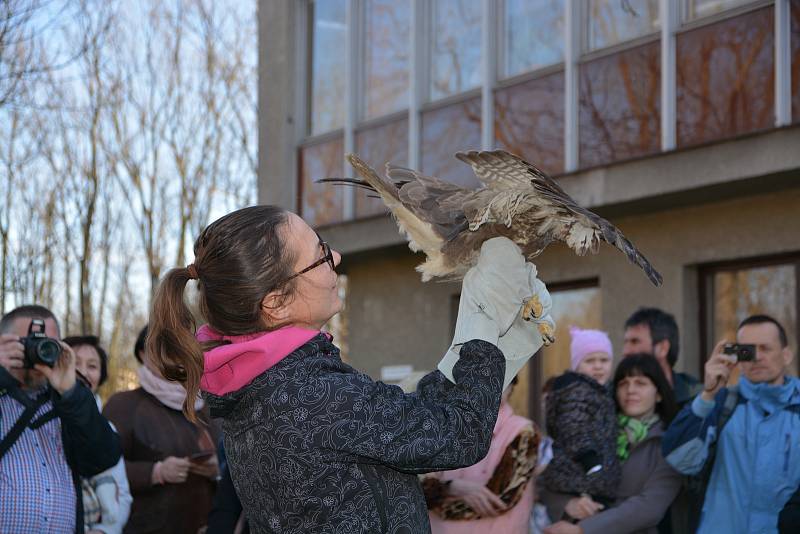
x=529 y=121
x=620 y=106
x=321 y=203
x=744 y=292
x=533 y=35
x=446 y=131
x=696 y=9
x=726 y=78
x=572 y=307
x=386 y=57
x=378 y=145
x=327 y=79
x=456 y=42
x=795 y=37
x=616 y=21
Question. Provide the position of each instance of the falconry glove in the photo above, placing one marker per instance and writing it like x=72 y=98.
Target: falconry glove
x=494 y=293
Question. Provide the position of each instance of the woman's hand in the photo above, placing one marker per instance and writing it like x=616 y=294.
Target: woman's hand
x=208 y=469
x=562 y=527
x=175 y=470
x=582 y=507
x=478 y=497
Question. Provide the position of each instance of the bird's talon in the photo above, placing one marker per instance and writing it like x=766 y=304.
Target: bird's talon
x=547 y=332
x=533 y=309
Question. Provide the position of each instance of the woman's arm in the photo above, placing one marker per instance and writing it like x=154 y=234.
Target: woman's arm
x=640 y=511
x=442 y=426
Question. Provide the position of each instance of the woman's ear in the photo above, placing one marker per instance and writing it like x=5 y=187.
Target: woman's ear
x=658 y=398
x=275 y=308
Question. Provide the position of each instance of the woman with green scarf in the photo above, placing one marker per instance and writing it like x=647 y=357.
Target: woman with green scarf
x=645 y=407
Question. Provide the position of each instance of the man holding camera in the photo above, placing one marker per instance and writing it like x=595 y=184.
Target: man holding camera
x=51 y=430
x=741 y=444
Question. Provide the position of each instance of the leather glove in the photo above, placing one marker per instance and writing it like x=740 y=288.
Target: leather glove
x=493 y=294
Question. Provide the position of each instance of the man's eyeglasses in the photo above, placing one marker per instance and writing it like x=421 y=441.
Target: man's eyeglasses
x=327 y=256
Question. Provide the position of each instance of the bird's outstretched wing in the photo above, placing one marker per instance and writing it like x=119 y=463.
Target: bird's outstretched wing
x=560 y=215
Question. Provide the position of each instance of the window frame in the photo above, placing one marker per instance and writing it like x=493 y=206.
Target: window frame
x=426 y=76
x=501 y=76
x=705 y=294
x=588 y=53
x=362 y=119
x=686 y=23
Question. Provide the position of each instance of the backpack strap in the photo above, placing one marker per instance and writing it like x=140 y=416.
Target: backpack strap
x=731 y=402
x=31 y=407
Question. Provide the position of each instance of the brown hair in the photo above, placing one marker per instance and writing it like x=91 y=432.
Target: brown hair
x=239 y=259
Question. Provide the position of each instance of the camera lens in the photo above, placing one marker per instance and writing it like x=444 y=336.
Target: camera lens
x=48 y=352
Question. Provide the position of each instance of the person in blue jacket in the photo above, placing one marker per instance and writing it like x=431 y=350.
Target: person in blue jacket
x=748 y=434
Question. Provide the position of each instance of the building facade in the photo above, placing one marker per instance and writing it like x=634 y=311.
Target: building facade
x=678 y=120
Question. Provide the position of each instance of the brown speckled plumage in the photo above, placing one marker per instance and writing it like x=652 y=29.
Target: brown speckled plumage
x=449 y=223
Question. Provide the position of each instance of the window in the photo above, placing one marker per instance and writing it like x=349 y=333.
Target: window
x=446 y=131
x=620 y=106
x=532 y=35
x=455 y=58
x=616 y=21
x=695 y=9
x=327 y=77
x=735 y=292
x=379 y=145
x=725 y=78
x=386 y=57
x=321 y=204
x=574 y=304
x=579 y=306
x=529 y=121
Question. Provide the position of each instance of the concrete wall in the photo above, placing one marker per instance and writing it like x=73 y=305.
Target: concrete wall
x=277 y=123
x=395 y=318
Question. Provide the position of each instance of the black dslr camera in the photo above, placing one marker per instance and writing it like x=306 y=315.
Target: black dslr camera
x=743 y=353
x=38 y=347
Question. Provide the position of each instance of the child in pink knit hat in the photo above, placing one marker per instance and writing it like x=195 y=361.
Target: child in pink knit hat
x=582 y=422
x=591 y=353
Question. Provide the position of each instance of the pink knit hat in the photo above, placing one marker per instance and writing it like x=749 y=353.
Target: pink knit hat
x=584 y=342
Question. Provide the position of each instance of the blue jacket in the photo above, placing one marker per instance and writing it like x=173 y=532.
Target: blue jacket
x=757 y=463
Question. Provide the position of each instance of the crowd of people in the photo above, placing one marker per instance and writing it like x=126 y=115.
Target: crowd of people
x=253 y=423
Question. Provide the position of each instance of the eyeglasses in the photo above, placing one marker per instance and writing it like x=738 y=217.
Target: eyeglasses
x=327 y=257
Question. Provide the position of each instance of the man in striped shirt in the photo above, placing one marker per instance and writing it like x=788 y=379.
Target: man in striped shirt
x=65 y=438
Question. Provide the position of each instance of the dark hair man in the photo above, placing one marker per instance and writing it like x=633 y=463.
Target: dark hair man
x=655 y=332
x=51 y=432
x=742 y=441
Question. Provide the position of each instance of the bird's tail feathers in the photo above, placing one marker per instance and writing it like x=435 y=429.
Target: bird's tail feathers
x=385 y=188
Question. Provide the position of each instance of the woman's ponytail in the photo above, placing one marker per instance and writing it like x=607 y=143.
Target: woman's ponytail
x=171 y=343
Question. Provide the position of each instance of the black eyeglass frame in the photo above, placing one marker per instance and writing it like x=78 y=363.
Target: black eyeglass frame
x=326 y=257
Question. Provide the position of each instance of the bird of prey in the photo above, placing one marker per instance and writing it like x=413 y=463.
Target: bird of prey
x=517 y=200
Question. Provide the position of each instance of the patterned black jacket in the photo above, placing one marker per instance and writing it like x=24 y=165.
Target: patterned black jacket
x=581 y=419
x=315 y=446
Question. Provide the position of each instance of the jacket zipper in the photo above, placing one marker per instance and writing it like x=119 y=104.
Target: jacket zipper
x=376 y=495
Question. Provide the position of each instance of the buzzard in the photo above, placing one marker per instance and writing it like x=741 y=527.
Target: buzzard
x=449 y=223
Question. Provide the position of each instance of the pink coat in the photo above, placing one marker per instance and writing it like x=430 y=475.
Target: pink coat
x=507 y=428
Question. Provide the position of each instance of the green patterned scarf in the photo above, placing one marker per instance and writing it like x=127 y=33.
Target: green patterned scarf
x=632 y=431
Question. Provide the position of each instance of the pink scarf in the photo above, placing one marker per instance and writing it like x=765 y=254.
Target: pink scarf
x=231 y=367
x=507 y=427
x=170 y=394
